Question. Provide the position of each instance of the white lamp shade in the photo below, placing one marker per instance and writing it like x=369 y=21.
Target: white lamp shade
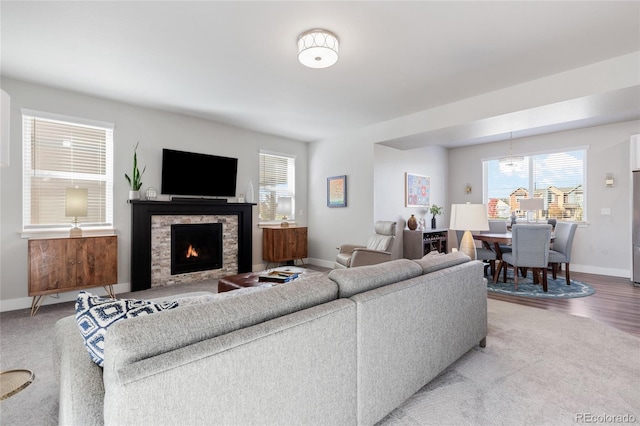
x=5 y=115
x=284 y=206
x=317 y=48
x=531 y=204
x=77 y=202
x=469 y=217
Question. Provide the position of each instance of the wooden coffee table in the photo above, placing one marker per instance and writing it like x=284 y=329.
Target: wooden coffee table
x=250 y=279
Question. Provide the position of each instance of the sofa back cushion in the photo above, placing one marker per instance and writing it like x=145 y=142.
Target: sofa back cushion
x=434 y=262
x=143 y=337
x=363 y=278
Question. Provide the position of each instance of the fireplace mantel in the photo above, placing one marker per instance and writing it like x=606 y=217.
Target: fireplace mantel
x=142 y=212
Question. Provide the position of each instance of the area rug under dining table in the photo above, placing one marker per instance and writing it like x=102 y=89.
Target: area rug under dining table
x=556 y=289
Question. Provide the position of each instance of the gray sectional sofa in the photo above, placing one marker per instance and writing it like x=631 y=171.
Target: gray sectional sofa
x=342 y=349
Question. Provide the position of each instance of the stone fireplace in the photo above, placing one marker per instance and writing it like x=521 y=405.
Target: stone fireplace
x=195 y=247
x=152 y=228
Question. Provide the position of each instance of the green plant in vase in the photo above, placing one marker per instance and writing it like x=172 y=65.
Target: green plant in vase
x=435 y=210
x=135 y=180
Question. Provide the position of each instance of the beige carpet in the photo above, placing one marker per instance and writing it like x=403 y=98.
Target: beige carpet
x=538 y=368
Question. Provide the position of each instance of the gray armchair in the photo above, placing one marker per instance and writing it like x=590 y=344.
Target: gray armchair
x=530 y=249
x=377 y=250
x=561 y=252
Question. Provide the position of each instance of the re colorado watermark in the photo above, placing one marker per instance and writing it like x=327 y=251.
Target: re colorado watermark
x=605 y=418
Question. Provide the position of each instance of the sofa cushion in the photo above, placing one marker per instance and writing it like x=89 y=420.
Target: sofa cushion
x=95 y=315
x=434 y=262
x=357 y=280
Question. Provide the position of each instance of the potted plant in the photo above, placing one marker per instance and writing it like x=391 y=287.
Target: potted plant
x=135 y=182
x=435 y=210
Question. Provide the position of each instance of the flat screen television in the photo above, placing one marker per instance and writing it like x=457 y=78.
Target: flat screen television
x=201 y=175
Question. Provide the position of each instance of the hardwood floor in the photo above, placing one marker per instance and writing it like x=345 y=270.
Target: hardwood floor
x=615 y=302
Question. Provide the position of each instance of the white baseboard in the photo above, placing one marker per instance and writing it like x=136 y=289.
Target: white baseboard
x=321 y=262
x=67 y=296
x=612 y=272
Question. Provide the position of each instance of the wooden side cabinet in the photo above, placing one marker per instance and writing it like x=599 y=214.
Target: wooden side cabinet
x=284 y=244
x=57 y=265
x=416 y=244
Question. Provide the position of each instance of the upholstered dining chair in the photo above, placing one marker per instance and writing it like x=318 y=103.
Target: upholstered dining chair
x=530 y=249
x=498 y=227
x=377 y=250
x=482 y=253
x=561 y=253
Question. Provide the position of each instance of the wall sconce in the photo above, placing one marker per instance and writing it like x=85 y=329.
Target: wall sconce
x=467 y=188
x=76 y=205
x=608 y=180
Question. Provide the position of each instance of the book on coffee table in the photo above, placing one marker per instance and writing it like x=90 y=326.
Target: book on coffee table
x=278 y=276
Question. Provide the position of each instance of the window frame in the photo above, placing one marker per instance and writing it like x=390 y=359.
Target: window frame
x=531 y=182
x=29 y=228
x=291 y=187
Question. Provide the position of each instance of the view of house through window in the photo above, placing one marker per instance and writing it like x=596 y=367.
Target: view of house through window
x=558 y=178
x=61 y=153
x=277 y=179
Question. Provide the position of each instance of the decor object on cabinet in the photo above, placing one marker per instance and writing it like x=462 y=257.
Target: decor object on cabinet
x=412 y=223
x=151 y=193
x=76 y=206
x=337 y=191
x=135 y=180
x=435 y=210
x=469 y=217
x=283 y=208
x=417 y=190
x=241 y=198
x=317 y=48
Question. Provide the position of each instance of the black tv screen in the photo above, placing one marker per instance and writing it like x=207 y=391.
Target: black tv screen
x=190 y=173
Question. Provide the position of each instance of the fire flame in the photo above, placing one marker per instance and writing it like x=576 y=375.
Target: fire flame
x=191 y=252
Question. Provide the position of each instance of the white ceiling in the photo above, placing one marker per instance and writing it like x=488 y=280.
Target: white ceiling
x=235 y=62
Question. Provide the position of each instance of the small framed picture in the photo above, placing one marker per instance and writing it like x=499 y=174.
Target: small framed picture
x=337 y=191
x=417 y=190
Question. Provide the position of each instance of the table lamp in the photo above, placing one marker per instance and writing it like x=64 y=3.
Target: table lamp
x=467 y=218
x=284 y=209
x=75 y=206
x=531 y=205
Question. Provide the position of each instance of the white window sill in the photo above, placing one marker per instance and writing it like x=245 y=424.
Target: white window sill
x=61 y=233
x=275 y=223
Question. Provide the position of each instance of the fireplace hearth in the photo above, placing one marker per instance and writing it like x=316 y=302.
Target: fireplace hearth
x=196 y=247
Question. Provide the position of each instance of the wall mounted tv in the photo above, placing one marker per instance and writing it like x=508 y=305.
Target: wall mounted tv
x=202 y=175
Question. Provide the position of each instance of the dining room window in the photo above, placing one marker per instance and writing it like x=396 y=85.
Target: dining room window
x=558 y=177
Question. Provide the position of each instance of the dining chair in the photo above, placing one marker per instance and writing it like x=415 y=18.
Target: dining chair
x=530 y=249
x=498 y=227
x=561 y=253
x=482 y=253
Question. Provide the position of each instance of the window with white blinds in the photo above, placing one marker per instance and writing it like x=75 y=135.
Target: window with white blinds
x=556 y=177
x=277 y=179
x=64 y=152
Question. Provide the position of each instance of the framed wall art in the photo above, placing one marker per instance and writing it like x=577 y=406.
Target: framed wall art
x=417 y=190
x=337 y=191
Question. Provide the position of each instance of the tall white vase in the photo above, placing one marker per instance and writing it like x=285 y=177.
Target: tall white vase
x=249 y=193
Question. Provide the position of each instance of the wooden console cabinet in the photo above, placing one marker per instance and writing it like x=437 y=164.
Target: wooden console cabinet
x=416 y=244
x=69 y=264
x=284 y=244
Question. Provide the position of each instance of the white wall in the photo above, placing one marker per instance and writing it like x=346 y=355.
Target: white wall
x=155 y=130
x=389 y=182
x=603 y=245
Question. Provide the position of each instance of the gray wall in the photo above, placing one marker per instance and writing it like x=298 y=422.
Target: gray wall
x=155 y=130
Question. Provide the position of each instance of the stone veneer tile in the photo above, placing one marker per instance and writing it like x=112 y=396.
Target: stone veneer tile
x=161 y=248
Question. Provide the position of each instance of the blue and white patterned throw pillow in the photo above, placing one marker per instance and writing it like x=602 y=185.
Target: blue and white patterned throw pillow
x=95 y=315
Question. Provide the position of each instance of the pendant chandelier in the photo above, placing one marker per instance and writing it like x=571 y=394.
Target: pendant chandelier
x=511 y=163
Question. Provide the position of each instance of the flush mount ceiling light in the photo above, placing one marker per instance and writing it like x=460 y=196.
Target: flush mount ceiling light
x=511 y=163
x=317 y=48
